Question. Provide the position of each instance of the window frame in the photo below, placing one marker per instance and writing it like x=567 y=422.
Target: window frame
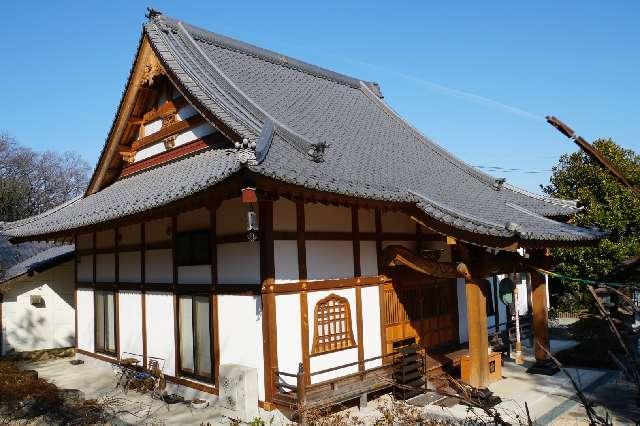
x=186 y=373
x=104 y=350
x=317 y=348
x=190 y=258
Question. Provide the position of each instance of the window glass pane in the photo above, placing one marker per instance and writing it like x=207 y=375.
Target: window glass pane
x=186 y=334
x=203 y=342
x=183 y=249
x=99 y=315
x=200 y=248
x=110 y=326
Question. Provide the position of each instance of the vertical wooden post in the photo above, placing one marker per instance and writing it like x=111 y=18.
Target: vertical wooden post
x=143 y=292
x=215 y=331
x=302 y=275
x=76 y=258
x=267 y=274
x=478 y=334
x=540 y=315
x=355 y=231
x=301 y=393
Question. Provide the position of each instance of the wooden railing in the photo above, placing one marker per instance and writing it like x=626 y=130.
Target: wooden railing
x=302 y=397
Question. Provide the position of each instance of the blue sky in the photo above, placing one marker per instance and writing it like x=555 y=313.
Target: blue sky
x=476 y=77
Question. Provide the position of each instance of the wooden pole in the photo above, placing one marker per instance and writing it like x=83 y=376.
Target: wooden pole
x=518 y=352
x=301 y=391
x=540 y=316
x=478 y=333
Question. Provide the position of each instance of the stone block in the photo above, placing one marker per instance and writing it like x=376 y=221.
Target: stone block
x=239 y=391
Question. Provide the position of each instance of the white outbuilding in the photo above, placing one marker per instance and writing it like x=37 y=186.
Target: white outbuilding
x=37 y=308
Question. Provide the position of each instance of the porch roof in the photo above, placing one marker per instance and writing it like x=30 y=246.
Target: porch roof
x=317 y=129
x=40 y=262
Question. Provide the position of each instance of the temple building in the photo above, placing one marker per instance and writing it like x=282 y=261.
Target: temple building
x=252 y=209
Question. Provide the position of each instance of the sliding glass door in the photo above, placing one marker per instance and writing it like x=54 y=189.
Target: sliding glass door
x=195 y=336
x=105 y=322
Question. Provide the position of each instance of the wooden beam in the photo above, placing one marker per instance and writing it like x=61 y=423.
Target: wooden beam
x=166 y=131
x=267 y=273
x=478 y=333
x=301 y=238
x=355 y=230
x=75 y=297
x=168 y=107
x=398 y=255
x=215 y=327
x=143 y=294
x=540 y=310
x=304 y=335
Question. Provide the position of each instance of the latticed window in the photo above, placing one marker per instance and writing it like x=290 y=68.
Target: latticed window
x=332 y=325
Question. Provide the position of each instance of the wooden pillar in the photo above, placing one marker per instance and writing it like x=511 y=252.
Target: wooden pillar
x=478 y=334
x=540 y=315
x=267 y=275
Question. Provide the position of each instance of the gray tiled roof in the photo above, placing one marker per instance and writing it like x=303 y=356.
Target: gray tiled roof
x=40 y=262
x=134 y=194
x=320 y=130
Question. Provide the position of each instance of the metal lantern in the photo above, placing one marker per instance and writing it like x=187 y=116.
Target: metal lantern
x=252 y=224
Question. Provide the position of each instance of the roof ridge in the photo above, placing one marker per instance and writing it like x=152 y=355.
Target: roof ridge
x=551 y=200
x=229 y=43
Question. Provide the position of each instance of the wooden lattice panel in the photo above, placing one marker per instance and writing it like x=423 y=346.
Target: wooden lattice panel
x=332 y=325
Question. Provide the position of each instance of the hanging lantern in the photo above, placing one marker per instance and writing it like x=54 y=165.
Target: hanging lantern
x=250 y=198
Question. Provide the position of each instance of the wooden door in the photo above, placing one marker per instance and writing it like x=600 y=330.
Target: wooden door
x=421 y=308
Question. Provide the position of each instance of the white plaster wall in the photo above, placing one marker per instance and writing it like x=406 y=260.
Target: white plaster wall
x=289 y=339
x=239 y=263
x=105 y=239
x=85 y=268
x=319 y=217
x=106 y=267
x=130 y=269
x=130 y=324
x=149 y=151
x=371 y=325
x=160 y=328
x=85 y=241
x=286 y=260
x=193 y=220
x=333 y=359
x=368 y=258
x=284 y=215
x=26 y=327
x=397 y=222
x=152 y=127
x=329 y=259
x=196 y=274
x=463 y=331
x=197 y=132
x=84 y=310
x=367 y=220
x=158 y=266
x=231 y=217
x=240 y=331
x=158 y=230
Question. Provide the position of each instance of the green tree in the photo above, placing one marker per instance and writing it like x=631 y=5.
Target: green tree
x=606 y=204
